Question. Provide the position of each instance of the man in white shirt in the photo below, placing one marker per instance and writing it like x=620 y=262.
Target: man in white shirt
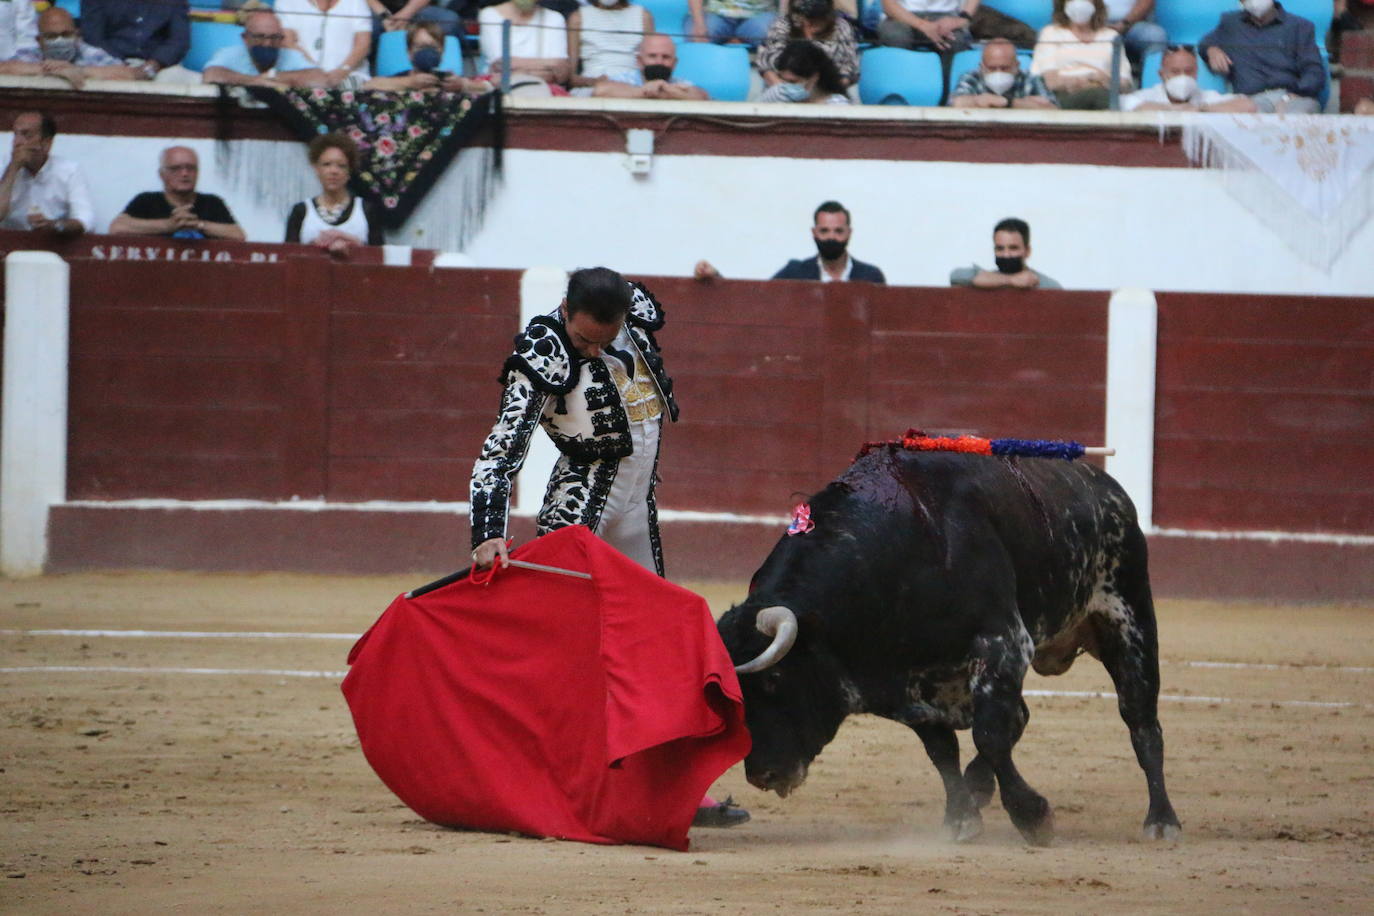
x=18 y=28
x=41 y=191
x=1134 y=20
x=1178 y=90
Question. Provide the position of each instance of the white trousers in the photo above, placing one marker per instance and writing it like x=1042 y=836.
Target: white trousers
x=624 y=522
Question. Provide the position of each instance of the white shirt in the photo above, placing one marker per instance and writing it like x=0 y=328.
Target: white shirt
x=610 y=39
x=18 y=27
x=1157 y=95
x=326 y=37
x=58 y=191
x=946 y=7
x=544 y=36
x=825 y=274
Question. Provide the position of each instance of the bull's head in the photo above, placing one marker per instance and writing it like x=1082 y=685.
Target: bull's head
x=793 y=698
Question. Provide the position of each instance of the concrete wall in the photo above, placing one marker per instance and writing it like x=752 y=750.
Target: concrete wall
x=1094 y=227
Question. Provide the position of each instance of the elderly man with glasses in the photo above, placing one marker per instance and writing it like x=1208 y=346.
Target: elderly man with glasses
x=178 y=210
x=262 y=60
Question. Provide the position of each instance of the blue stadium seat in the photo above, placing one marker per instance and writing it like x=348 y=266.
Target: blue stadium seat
x=71 y=6
x=1034 y=13
x=206 y=5
x=392 y=58
x=668 y=16
x=896 y=76
x=206 y=39
x=1187 y=21
x=1206 y=79
x=721 y=70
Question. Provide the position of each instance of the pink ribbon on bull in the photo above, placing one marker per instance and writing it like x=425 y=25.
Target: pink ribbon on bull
x=801 y=520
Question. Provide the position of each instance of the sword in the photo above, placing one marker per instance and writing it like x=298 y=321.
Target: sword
x=522 y=564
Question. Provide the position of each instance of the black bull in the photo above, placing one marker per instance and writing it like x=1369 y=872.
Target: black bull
x=931 y=582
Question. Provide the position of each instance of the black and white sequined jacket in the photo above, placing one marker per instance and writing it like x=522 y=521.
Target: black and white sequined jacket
x=547 y=382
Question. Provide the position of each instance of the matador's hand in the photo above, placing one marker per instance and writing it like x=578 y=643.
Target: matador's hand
x=487 y=552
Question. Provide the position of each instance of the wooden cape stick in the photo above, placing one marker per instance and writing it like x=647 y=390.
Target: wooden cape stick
x=463 y=573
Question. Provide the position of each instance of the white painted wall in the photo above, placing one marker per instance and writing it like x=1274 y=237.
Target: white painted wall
x=1093 y=227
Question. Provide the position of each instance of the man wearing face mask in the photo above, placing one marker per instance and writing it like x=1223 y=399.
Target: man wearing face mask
x=830 y=231
x=262 y=59
x=1011 y=247
x=999 y=82
x=657 y=56
x=60 y=52
x=1270 y=55
x=1178 y=90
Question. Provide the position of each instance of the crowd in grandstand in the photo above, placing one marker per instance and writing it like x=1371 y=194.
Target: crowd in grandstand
x=1072 y=54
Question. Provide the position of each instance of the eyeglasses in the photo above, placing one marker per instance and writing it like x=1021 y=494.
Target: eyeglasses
x=274 y=38
x=186 y=167
x=49 y=36
x=1170 y=49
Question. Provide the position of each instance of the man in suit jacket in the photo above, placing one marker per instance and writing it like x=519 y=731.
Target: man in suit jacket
x=830 y=231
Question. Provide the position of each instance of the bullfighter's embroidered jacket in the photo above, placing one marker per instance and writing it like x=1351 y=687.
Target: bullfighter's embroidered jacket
x=548 y=383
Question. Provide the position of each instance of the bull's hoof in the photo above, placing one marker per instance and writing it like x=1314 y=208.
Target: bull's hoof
x=965 y=829
x=1041 y=832
x=1161 y=833
x=981 y=782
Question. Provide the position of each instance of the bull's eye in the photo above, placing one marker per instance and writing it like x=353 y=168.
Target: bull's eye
x=772 y=680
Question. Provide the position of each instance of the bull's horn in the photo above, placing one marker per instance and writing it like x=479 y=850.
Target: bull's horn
x=779 y=623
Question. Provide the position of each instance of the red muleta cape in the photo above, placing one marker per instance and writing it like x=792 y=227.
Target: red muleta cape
x=597 y=710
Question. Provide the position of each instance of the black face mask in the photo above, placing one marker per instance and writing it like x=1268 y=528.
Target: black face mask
x=830 y=249
x=657 y=72
x=1011 y=265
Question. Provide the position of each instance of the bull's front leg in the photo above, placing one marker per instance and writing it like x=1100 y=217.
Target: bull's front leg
x=999 y=717
x=962 y=819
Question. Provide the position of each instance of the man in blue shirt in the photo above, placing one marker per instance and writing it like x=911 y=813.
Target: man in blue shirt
x=261 y=60
x=152 y=35
x=1270 y=55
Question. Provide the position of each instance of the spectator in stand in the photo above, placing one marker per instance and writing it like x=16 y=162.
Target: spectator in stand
x=18 y=28
x=654 y=79
x=1133 y=21
x=1178 y=89
x=538 y=46
x=425 y=48
x=1011 y=247
x=152 y=36
x=806 y=74
x=815 y=21
x=999 y=82
x=603 y=38
x=399 y=15
x=947 y=25
x=1074 y=56
x=177 y=210
x=1364 y=107
x=38 y=190
x=334 y=35
x=831 y=231
x=60 y=52
x=1270 y=55
x=262 y=59
x=336 y=220
x=723 y=21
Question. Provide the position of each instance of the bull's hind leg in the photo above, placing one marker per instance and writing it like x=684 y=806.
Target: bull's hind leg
x=962 y=819
x=1128 y=646
x=999 y=717
x=979 y=778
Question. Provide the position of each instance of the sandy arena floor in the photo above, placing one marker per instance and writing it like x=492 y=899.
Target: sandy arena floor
x=134 y=791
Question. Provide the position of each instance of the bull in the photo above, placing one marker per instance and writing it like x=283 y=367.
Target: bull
x=930 y=583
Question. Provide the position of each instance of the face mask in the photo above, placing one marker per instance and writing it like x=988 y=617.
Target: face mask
x=1258 y=8
x=830 y=249
x=1011 y=265
x=1080 y=12
x=425 y=59
x=59 y=49
x=264 y=56
x=793 y=92
x=1181 y=87
x=657 y=72
x=999 y=81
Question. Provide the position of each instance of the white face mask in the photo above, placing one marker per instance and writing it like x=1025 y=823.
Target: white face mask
x=1181 y=87
x=1258 y=8
x=999 y=81
x=1080 y=12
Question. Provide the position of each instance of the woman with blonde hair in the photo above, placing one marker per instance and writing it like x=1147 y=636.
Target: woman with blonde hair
x=1073 y=55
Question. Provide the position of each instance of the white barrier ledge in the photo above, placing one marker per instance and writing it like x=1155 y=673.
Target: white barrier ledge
x=1132 y=335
